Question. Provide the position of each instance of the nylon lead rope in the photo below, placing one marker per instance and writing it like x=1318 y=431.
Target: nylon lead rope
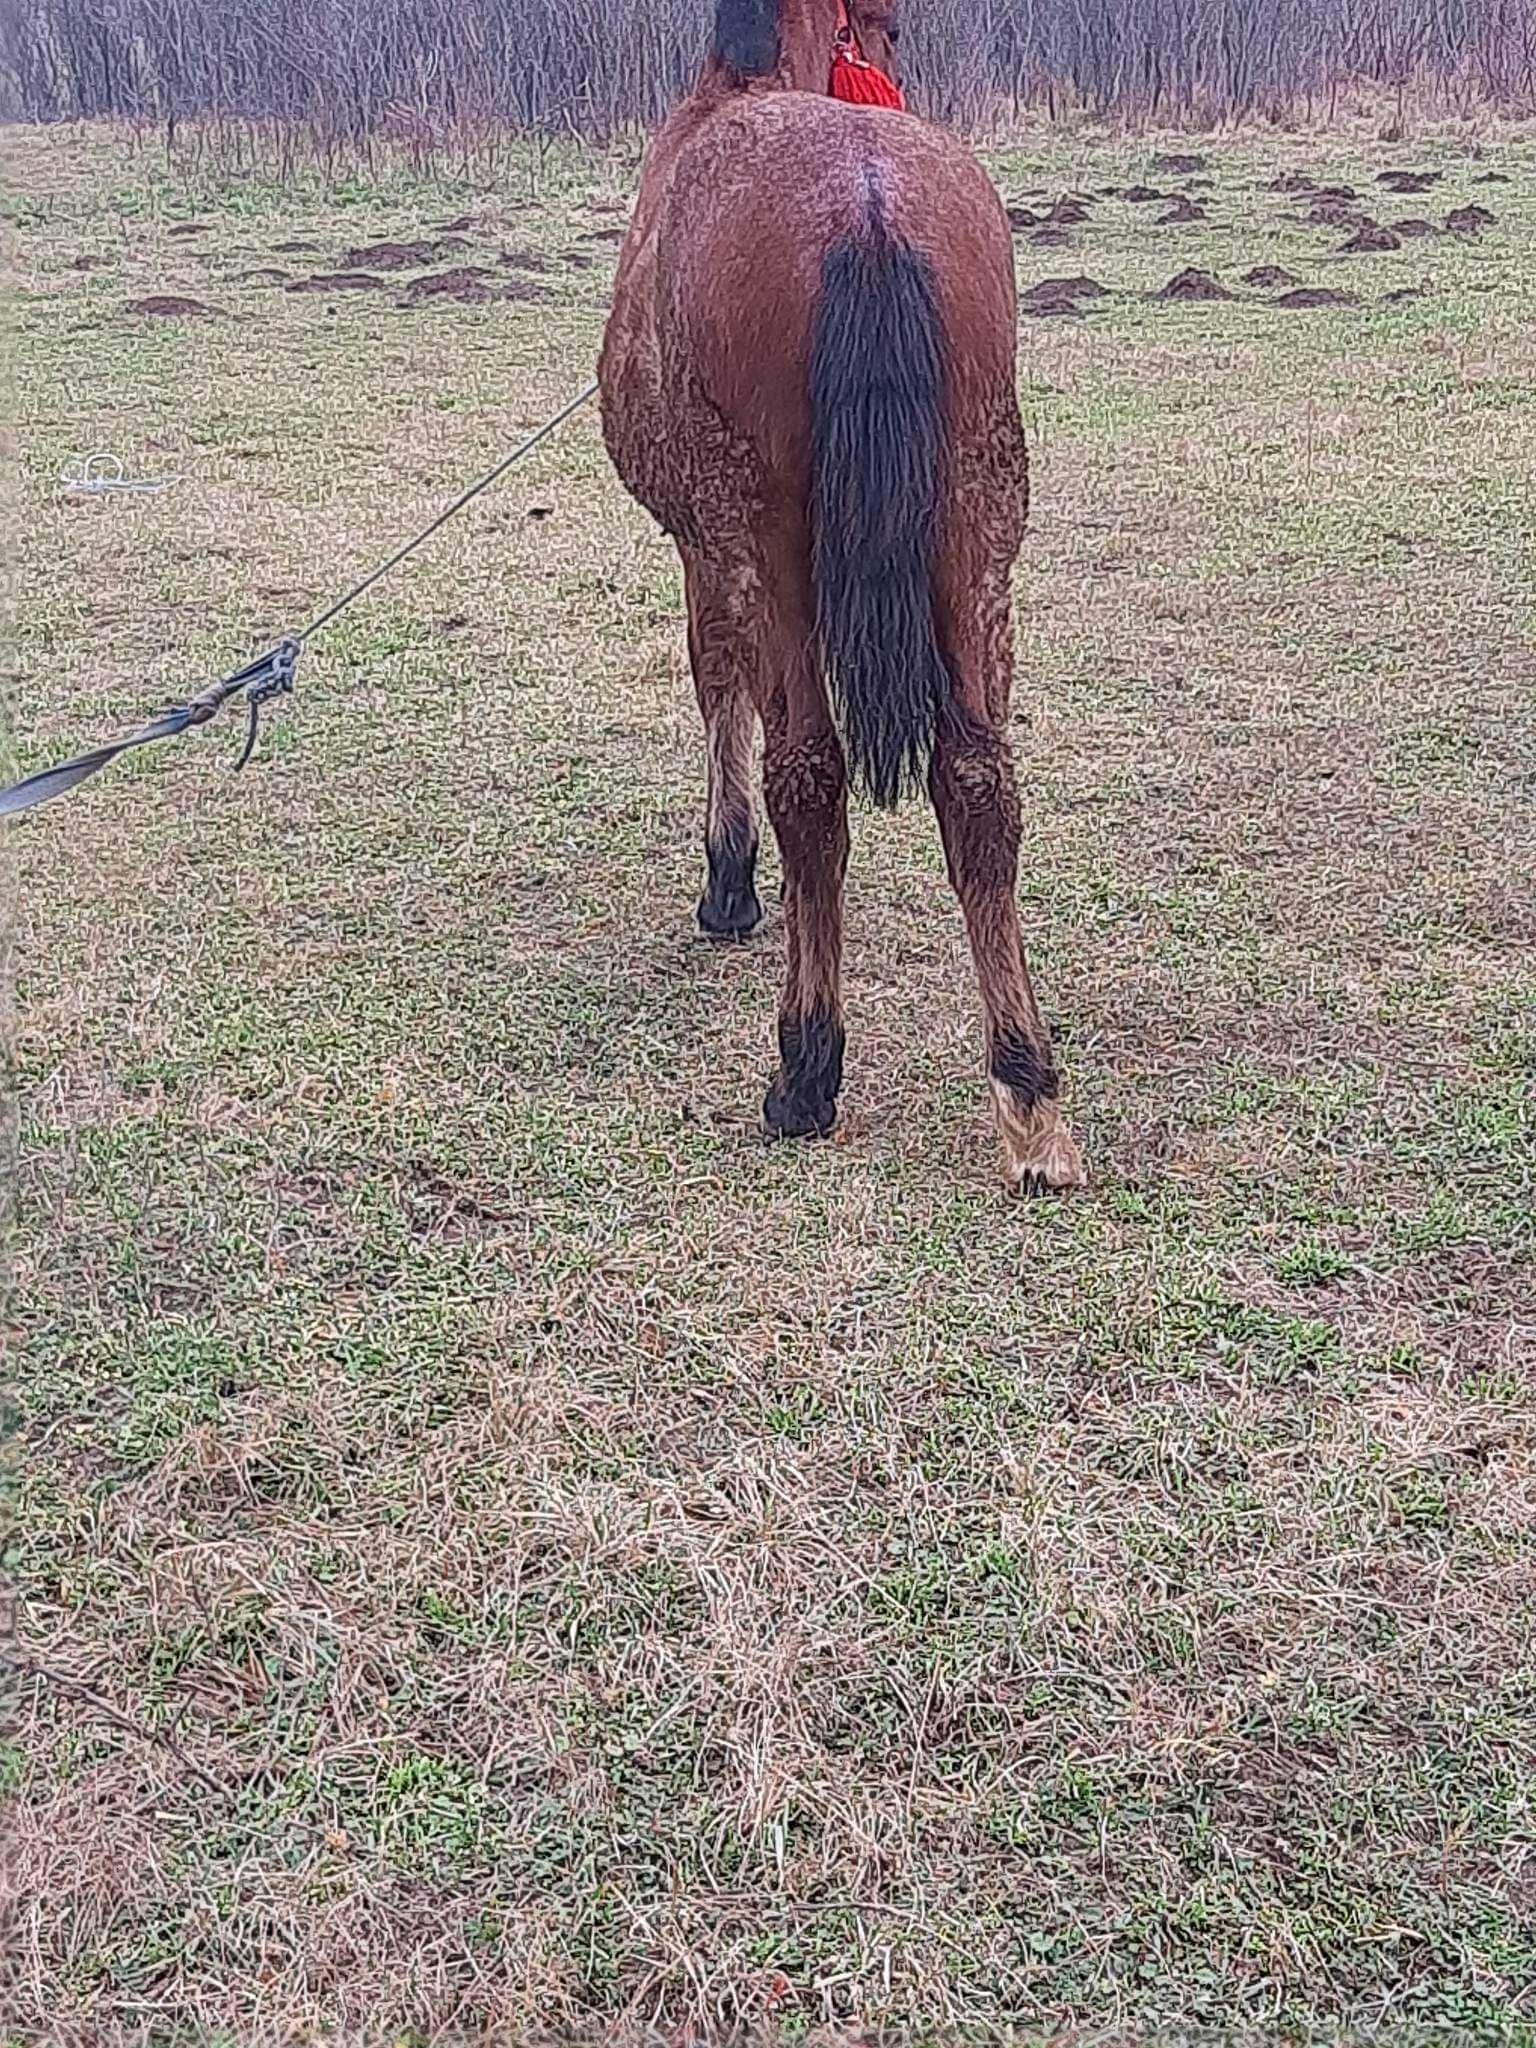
x=271 y=674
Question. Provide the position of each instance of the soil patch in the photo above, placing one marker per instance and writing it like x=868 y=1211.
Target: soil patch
x=1272 y=277
x=604 y=235
x=165 y=306
x=1491 y=178
x=191 y=227
x=337 y=281
x=1314 y=295
x=1066 y=212
x=1409 y=181
x=401 y=255
x=1179 y=166
x=1059 y=298
x=574 y=260
x=1470 y=220
x=1404 y=294
x=295 y=248
x=1051 y=238
x=529 y=292
x=91 y=263
x=457 y=226
x=1195 y=286
x=523 y=259
x=1291 y=182
x=467 y=285
x=1333 y=212
x=1371 y=239
x=1181 y=213
x=1412 y=230
x=1144 y=195
x=264 y=274
x=1021 y=217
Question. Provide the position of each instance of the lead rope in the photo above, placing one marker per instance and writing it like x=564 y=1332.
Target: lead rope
x=269 y=675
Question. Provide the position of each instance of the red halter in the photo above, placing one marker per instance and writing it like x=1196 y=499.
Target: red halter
x=854 y=78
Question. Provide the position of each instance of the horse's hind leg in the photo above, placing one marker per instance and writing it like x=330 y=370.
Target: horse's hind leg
x=722 y=647
x=974 y=793
x=805 y=785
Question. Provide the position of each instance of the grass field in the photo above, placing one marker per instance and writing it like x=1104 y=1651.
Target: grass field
x=499 y=1545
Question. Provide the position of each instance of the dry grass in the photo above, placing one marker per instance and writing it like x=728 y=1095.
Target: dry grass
x=497 y=1545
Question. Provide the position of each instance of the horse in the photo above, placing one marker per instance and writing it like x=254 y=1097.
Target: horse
x=808 y=379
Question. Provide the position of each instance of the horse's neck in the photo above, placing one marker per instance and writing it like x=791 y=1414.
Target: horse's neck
x=806 y=32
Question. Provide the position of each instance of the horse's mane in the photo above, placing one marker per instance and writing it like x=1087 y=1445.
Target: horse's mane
x=747 y=36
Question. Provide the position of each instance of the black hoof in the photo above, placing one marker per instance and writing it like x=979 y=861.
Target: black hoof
x=798 y=1116
x=732 y=914
x=802 y=1103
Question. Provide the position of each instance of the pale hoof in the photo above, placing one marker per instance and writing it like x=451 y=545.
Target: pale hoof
x=1040 y=1155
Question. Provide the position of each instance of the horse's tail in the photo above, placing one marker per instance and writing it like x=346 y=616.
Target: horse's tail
x=877 y=465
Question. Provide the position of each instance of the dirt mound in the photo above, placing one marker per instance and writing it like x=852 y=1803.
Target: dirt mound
x=467 y=285
x=1314 y=295
x=1058 y=298
x=1066 y=212
x=1409 y=181
x=1181 y=213
x=1334 y=192
x=1022 y=217
x=1051 y=238
x=1470 y=220
x=1196 y=286
x=605 y=235
x=1272 y=277
x=1491 y=178
x=457 y=226
x=1179 y=166
x=402 y=255
x=263 y=274
x=1404 y=294
x=295 y=248
x=524 y=259
x=191 y=227
x=1330 y=211
x=337 y=281
x=165 y=306
x=1034 y=307
x=1144 y=195
x=574 y=260
x=1370 y=239
x=1292 y=183
x=521 y=291
x=1413 y=230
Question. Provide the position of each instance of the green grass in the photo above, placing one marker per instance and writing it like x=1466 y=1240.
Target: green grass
x=497 y=1545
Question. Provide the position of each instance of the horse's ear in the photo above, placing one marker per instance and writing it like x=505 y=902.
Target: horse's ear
x=747 y=36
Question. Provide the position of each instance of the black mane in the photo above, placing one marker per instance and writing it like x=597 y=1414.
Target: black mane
x=747 y=36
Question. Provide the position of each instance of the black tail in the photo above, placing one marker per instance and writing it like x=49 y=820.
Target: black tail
x=878 y=453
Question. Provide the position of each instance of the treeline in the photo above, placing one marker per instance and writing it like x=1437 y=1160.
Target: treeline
x=440 y=74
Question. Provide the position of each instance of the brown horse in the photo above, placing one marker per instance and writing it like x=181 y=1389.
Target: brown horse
x=808 y=378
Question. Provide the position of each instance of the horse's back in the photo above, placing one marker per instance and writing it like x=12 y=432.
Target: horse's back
x=741 y=214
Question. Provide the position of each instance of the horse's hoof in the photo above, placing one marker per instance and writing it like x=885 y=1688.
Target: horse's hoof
x=730 y=917
x=797 y=1116
x=1040 y=1155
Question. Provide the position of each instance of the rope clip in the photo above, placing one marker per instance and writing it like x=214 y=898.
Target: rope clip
x=270 y=677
